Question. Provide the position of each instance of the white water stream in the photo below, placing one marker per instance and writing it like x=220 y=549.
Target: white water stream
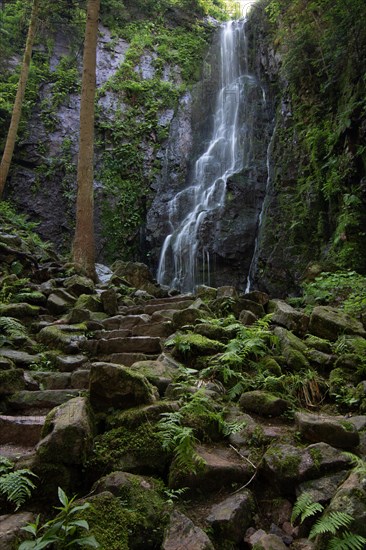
x=184 y=261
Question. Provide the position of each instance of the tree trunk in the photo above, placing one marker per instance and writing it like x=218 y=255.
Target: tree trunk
x=83 y=245
x=17 y=109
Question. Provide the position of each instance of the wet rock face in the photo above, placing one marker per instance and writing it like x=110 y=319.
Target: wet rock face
x=39 y=183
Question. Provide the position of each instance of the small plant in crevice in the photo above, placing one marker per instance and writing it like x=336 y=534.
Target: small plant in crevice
x=331 y=529
x=66 y=530
x=15 y=485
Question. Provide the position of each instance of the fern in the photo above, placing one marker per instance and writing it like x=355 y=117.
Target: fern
x=16 y=486
x=180 y=440
x=305 y=507
x=330 y=523
x=347 y=541
x=6 y=465
x=12 y=328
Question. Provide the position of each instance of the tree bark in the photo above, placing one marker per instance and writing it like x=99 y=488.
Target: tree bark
x=17 y=109
x=83 y=251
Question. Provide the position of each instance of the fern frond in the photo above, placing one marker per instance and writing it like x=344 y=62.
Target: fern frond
x=330 y=523
x=358 y=463
x=347 y=541
x=12 y=327
x=6 y=465
x=16 y=486
x=305 y=507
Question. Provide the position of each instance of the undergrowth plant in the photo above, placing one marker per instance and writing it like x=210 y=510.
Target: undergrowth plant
x=15 y=485
x=63 y=531
x=177 y=430
x=346 y=289
x=11 y=328
x=333 y=525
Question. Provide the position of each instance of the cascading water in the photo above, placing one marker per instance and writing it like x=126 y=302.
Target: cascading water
x=202 y=219
x=184 y=259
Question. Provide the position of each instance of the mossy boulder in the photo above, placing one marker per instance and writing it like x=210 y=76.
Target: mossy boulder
x=159 y=374
x=138 y=276
x=319 y=344
x=216 y=468
x=286 y=316
x=263 y=403
x=189 y=346
x=145 y=506
x=118 y=387
x=206 y=293
x=137 y=450
x=136 y=416
x=89 y=302
x=67 y=435
x=334 y=431
x=19 y=311
x=60 y=301
x=67 y=338
x=285 y=466
x=350 y=499
x=79 y=285
x=328 y=322
x=212 y=332
x=188 y=316
x=11 y=381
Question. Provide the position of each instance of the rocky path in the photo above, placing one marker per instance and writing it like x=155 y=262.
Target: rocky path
x=84 y=388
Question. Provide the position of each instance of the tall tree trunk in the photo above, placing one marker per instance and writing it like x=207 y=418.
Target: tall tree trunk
x=83 y=246
x=17 y=109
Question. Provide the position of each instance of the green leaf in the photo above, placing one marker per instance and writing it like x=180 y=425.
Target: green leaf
x=62 y=497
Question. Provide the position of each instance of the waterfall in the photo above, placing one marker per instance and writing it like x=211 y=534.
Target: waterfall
x=185 y=260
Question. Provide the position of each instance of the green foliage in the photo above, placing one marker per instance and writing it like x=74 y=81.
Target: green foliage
x=181 y=441
x=11 y=328
x=330 y=523
x=64 y=531
x=305 y=507
x=318 y=149
x=334 y=525
x=345 y=289
x=15 y=485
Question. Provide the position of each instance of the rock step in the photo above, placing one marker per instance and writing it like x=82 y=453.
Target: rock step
x=49 y=380
x=178 y=305
x=151 y=306
x=21 y=430
x=126 y=359
x=107 y=334
x=136 y=344
x=159 y=329
x=31 y=403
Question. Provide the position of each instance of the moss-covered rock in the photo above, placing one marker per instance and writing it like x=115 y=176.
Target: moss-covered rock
x=19 y=311
x=143 y=504
x=79 y=285
x=11 y=381
x=67 y=338
x=189 y=346
x=328 y=322
x=263 y=403
x=118 y=387
x=137 y=416
x=334 y=431
x=67 y=435
x=89 y=302
x=138 y=450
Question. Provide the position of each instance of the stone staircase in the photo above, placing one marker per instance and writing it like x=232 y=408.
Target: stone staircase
x=135 y=334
